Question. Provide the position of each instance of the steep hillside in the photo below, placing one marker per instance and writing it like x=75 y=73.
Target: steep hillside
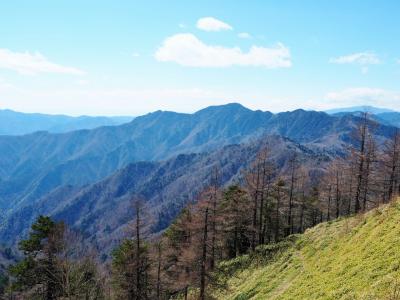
x=353 y=258
x=103 y=209
x=17 y=123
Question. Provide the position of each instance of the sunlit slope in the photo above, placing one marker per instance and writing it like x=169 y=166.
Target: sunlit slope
x=352 y=258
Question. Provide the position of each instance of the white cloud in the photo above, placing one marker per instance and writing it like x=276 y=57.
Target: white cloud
x=364 y=70
x=187 y=50
x=135 y=54
x=244 y=35
x=212 y=24
x=4 y=85
x=361 y=58
x=364 y=96
x=182 y=25
x=82 y=82
x=29 y=64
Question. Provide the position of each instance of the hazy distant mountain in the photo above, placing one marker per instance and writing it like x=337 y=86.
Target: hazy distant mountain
x=166 y=186
x=381 y=115
x=17 y=123
x=365 y=108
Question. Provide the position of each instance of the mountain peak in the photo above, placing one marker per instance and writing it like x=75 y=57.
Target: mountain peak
x=228 y=108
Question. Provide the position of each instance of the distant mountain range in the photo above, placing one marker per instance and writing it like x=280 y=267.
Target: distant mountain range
x=382 y=115
x=88 y=176
x=34 y=164
x=17 y=123
x=364 y=108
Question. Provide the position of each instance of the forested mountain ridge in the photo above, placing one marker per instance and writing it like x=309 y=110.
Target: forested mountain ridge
x=101 y=210
x=34 y=164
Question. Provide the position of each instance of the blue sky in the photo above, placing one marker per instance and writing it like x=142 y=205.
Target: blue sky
x=132 y=57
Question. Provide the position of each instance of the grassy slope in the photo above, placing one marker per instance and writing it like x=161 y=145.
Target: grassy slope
x=353 y=258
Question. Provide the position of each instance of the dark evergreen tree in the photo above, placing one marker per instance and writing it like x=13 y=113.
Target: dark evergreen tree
x=38 y=272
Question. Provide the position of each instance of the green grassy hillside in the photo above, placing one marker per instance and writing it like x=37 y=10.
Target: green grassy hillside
x=352 y=258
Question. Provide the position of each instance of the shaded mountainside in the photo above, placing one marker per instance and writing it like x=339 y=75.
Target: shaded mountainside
x=352 y=258
x=33 y=165
x=17 y=123
x=389 y=118
x=103 y=210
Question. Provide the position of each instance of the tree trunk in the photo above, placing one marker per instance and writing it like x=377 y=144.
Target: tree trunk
x=204 y=257
x=159 y=271
x=302 y=212
x=213 y=223
x=360 y=175
x=329 y=203
x=278 y=200
x=291 y=196
x=137 y=267
x=337 y=195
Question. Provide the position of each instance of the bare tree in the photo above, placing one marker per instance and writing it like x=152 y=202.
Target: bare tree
x=279 y=190
x=204 y=256
x=258 y=183
x=215 y=195
x=293 y=169
x=363 y=155
x=391 y=167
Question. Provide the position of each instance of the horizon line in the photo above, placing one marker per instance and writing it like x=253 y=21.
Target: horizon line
x=364 y=107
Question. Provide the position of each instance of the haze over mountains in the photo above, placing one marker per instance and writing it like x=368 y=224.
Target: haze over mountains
x=364 y=108
x=17 y=123
x=381 y=115
x=87 y=177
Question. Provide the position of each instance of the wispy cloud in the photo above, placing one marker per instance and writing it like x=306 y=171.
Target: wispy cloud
x=361 y=58
x=212 y=24
x=187 y=50
x=244 y=35
x=29 y=64
x=364 y=96
x=135 y=54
